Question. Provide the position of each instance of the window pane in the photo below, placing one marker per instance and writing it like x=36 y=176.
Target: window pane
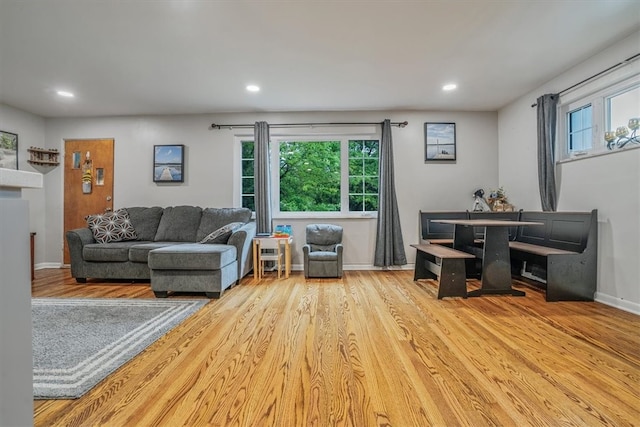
x=310 y=176
x=247 y=167
x=247 y=149
x=249 y=202
x=356 y=185
x=580 y=129
x=371 y=149
x=356 y=203
x=355 y=167
x=371 y=203
x=623 y=107
x=371 y=185
x=371 y=167
x=247 y=185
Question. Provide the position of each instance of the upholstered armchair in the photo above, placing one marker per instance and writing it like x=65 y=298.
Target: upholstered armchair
x=323 y=251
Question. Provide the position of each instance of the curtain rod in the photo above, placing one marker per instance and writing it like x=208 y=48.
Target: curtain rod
x=291 y=125
x=631 y=58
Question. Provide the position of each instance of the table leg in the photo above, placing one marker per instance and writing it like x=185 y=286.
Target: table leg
x=256 y=262
x=287 y=259
x=496 y=264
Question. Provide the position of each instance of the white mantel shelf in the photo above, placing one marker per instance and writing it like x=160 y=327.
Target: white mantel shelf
x=16 y=367
x=16 y=179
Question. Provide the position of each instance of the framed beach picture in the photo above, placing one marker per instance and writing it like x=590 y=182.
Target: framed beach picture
x=168 y=163
x=8 y=150
x=439 y=142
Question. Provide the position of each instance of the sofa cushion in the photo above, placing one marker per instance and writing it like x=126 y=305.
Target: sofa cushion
x=140 y=252
x=107 y=252
x=145 y=221
x=179 y=224
x=192 y=256
x=111 y=227
x=222 y=234
x=214 y=218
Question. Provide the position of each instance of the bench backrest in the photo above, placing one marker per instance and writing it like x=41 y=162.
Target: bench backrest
x=435 y=230
x=508 y=216
x=561 y=230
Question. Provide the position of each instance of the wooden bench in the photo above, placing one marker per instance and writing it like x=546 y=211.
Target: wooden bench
x=445 y=264
x=434 y=232
x=563 y=253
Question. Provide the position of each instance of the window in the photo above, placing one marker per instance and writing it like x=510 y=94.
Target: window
x=322 y=175
x=622 y=107
x=309 y=176
x=363 y=175
x=580 y=129
x=248 y=192
x=592 y=123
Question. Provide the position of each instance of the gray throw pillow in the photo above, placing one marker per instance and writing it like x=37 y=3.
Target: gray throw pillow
x=111 y=227
x=222 y=234
x=214 y=218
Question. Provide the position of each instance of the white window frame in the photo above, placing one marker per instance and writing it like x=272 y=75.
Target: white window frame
x=595 y=93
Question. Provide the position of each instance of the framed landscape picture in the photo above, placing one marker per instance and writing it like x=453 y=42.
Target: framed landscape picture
x=439 y=142
x=8 y=150
x=168 y=163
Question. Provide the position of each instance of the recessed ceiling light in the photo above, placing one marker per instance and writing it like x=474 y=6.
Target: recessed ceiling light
x=65 y=94
x=449 y=86
x=253 y=88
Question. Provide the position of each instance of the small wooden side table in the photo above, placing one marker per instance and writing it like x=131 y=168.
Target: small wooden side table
x=283 y=241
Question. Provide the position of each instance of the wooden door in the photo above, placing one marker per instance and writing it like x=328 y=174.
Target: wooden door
x=88 y=182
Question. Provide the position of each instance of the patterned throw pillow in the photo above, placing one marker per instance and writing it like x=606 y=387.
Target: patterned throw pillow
x=222 y=234
x=111 y=227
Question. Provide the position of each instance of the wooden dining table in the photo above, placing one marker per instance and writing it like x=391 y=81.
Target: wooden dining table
x=496 y=262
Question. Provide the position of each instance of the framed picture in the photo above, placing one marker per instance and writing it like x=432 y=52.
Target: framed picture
x=168 y=163
x=8 y=150
x=439 y=142
x=76 y=160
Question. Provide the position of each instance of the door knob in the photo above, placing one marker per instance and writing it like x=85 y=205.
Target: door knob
x=108 y=198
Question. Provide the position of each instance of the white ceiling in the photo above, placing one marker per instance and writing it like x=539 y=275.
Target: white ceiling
x=187 y=56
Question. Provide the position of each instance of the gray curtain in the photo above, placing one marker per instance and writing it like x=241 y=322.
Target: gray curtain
x=262 y=176
x=389 y=244
x=546 y=151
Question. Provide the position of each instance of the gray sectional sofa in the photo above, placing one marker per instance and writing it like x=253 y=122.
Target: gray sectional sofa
x=162 y=245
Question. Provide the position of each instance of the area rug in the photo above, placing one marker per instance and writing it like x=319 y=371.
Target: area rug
x=78 y=342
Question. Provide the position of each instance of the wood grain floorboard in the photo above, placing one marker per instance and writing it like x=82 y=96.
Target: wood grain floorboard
x=374 y=348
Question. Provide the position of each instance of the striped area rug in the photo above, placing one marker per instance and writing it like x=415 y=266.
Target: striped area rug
x=78 y=342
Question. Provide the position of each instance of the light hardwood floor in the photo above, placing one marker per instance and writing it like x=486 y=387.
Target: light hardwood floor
x=372 y=349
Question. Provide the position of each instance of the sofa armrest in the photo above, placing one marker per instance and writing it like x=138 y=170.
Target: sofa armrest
x=242 y=239
x=339 y=249
x=77 y=239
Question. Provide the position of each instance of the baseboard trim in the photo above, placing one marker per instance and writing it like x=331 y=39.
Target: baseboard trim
x=620 y=303
x=43 y=265
x=364 y=267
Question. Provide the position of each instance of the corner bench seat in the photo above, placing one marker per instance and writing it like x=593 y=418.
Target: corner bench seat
x=539 y=250
x=563 y=253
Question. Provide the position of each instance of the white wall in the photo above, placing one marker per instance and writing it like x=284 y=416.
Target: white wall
x=31 y=130
x=210 y=167
x=609 y=183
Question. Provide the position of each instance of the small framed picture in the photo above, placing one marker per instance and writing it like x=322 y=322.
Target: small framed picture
x=8 y=150
x=168 y=163
x=439 y=142
x=76 y=160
